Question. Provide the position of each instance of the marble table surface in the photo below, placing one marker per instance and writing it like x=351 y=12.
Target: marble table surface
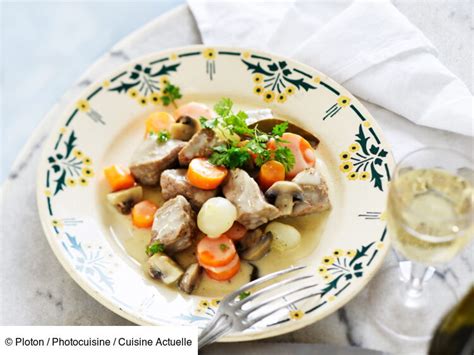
x=34 y=288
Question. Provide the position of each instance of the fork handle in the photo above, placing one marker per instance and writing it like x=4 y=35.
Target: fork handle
x=218 y=327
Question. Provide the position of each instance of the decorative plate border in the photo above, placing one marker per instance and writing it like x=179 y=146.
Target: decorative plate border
x=273 y=78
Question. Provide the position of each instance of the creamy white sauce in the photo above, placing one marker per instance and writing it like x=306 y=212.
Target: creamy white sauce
x=133 y=241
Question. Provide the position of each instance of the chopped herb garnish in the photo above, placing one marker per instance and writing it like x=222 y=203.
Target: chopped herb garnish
x=253 y=142
x=163 y=136
x=155 y=248
x=279 y=129
x=243 y=295
x=170 y=94
x=223 y=247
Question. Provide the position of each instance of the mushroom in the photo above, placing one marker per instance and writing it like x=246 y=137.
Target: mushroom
x=124 y=200
x=191 y=278
x=164 y=268
x=255 y=245
x=184 y=128
x=283 y=194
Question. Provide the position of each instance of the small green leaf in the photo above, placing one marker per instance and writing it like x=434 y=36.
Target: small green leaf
x=155 y=248
x=243 y=295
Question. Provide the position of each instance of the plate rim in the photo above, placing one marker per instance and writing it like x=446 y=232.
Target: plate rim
x=135 y=317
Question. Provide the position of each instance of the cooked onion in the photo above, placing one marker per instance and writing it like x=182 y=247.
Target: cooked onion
x=284 y=236
x=216 y=216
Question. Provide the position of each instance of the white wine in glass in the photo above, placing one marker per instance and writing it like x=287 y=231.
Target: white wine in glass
x=430 y=213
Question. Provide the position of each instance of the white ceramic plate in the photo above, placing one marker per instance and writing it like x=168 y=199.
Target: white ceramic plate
x=106 y=122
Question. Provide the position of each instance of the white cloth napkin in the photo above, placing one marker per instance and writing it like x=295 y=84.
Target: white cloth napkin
x=368 y=46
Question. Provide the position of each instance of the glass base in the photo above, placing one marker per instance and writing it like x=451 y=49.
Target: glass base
x=408 y=315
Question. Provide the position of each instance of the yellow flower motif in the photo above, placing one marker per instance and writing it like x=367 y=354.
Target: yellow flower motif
x=352 y=176
x=295 y=315
x=87 y=161
x=383 y=216
x=47 y=192
x=327 y=277
x=77 y=153
x=364 y=175
x=290 y=90
x=344 y=156
x=322 y=270
x=258 y=78
x=71 y=182
x=246 y=55
x=173 y=56
x=106 y=84
x=367 y=124
x=133 y=93
x=281 y=98
x=209 y=53
x=338 y=252
x=83 y=106
x=63 y=130
x=346 y=167
x=56 y=223
x=142 y=100
x=351 y=253
x=154 y=98
x=268 y=96
x=258 y=89
x=164 y=80
x=317 y=79
x=354 y=147
x=331 y=298
x=215 y=302
x=343 y=101
x=87 y=172
x=203 y=304
x=83 y=181
x=328 y=260
x=380 y=245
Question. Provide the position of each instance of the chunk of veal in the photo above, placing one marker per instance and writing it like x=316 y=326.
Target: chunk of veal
x=151 y=158
x=174 y=182
x=252 y=208
x=200 y=145
x=174 y=225
x=315 y=193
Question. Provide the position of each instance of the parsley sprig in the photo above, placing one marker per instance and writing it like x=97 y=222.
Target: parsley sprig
x=170 y=94
x=234 y=154
x=155 y=248
x=161 y=136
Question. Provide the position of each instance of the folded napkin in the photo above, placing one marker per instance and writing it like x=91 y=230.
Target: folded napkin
x=368 y=46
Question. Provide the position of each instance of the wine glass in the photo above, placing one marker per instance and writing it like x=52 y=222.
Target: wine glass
x=430 y=220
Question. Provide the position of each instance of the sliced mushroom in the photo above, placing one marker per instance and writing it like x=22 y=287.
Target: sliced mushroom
x=124 y=200
x=164 y=268
x=184 y=128
x=283 y=194
x=191 y=278
x=255 y=245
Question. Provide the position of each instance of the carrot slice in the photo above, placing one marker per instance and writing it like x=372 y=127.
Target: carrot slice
x=302 y=150
x=119 y=178
x=205 y=175
x=215 y=252
x=143 y=213
x=271 y=172
x=236 y=232
x=226 y=272
x=158 y=121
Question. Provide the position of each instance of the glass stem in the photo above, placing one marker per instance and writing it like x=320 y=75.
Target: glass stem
x=415 y=283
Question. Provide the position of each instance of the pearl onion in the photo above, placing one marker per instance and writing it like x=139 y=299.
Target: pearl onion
x=216 y=216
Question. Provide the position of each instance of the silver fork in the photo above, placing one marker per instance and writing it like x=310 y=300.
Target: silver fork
x=230 y=315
